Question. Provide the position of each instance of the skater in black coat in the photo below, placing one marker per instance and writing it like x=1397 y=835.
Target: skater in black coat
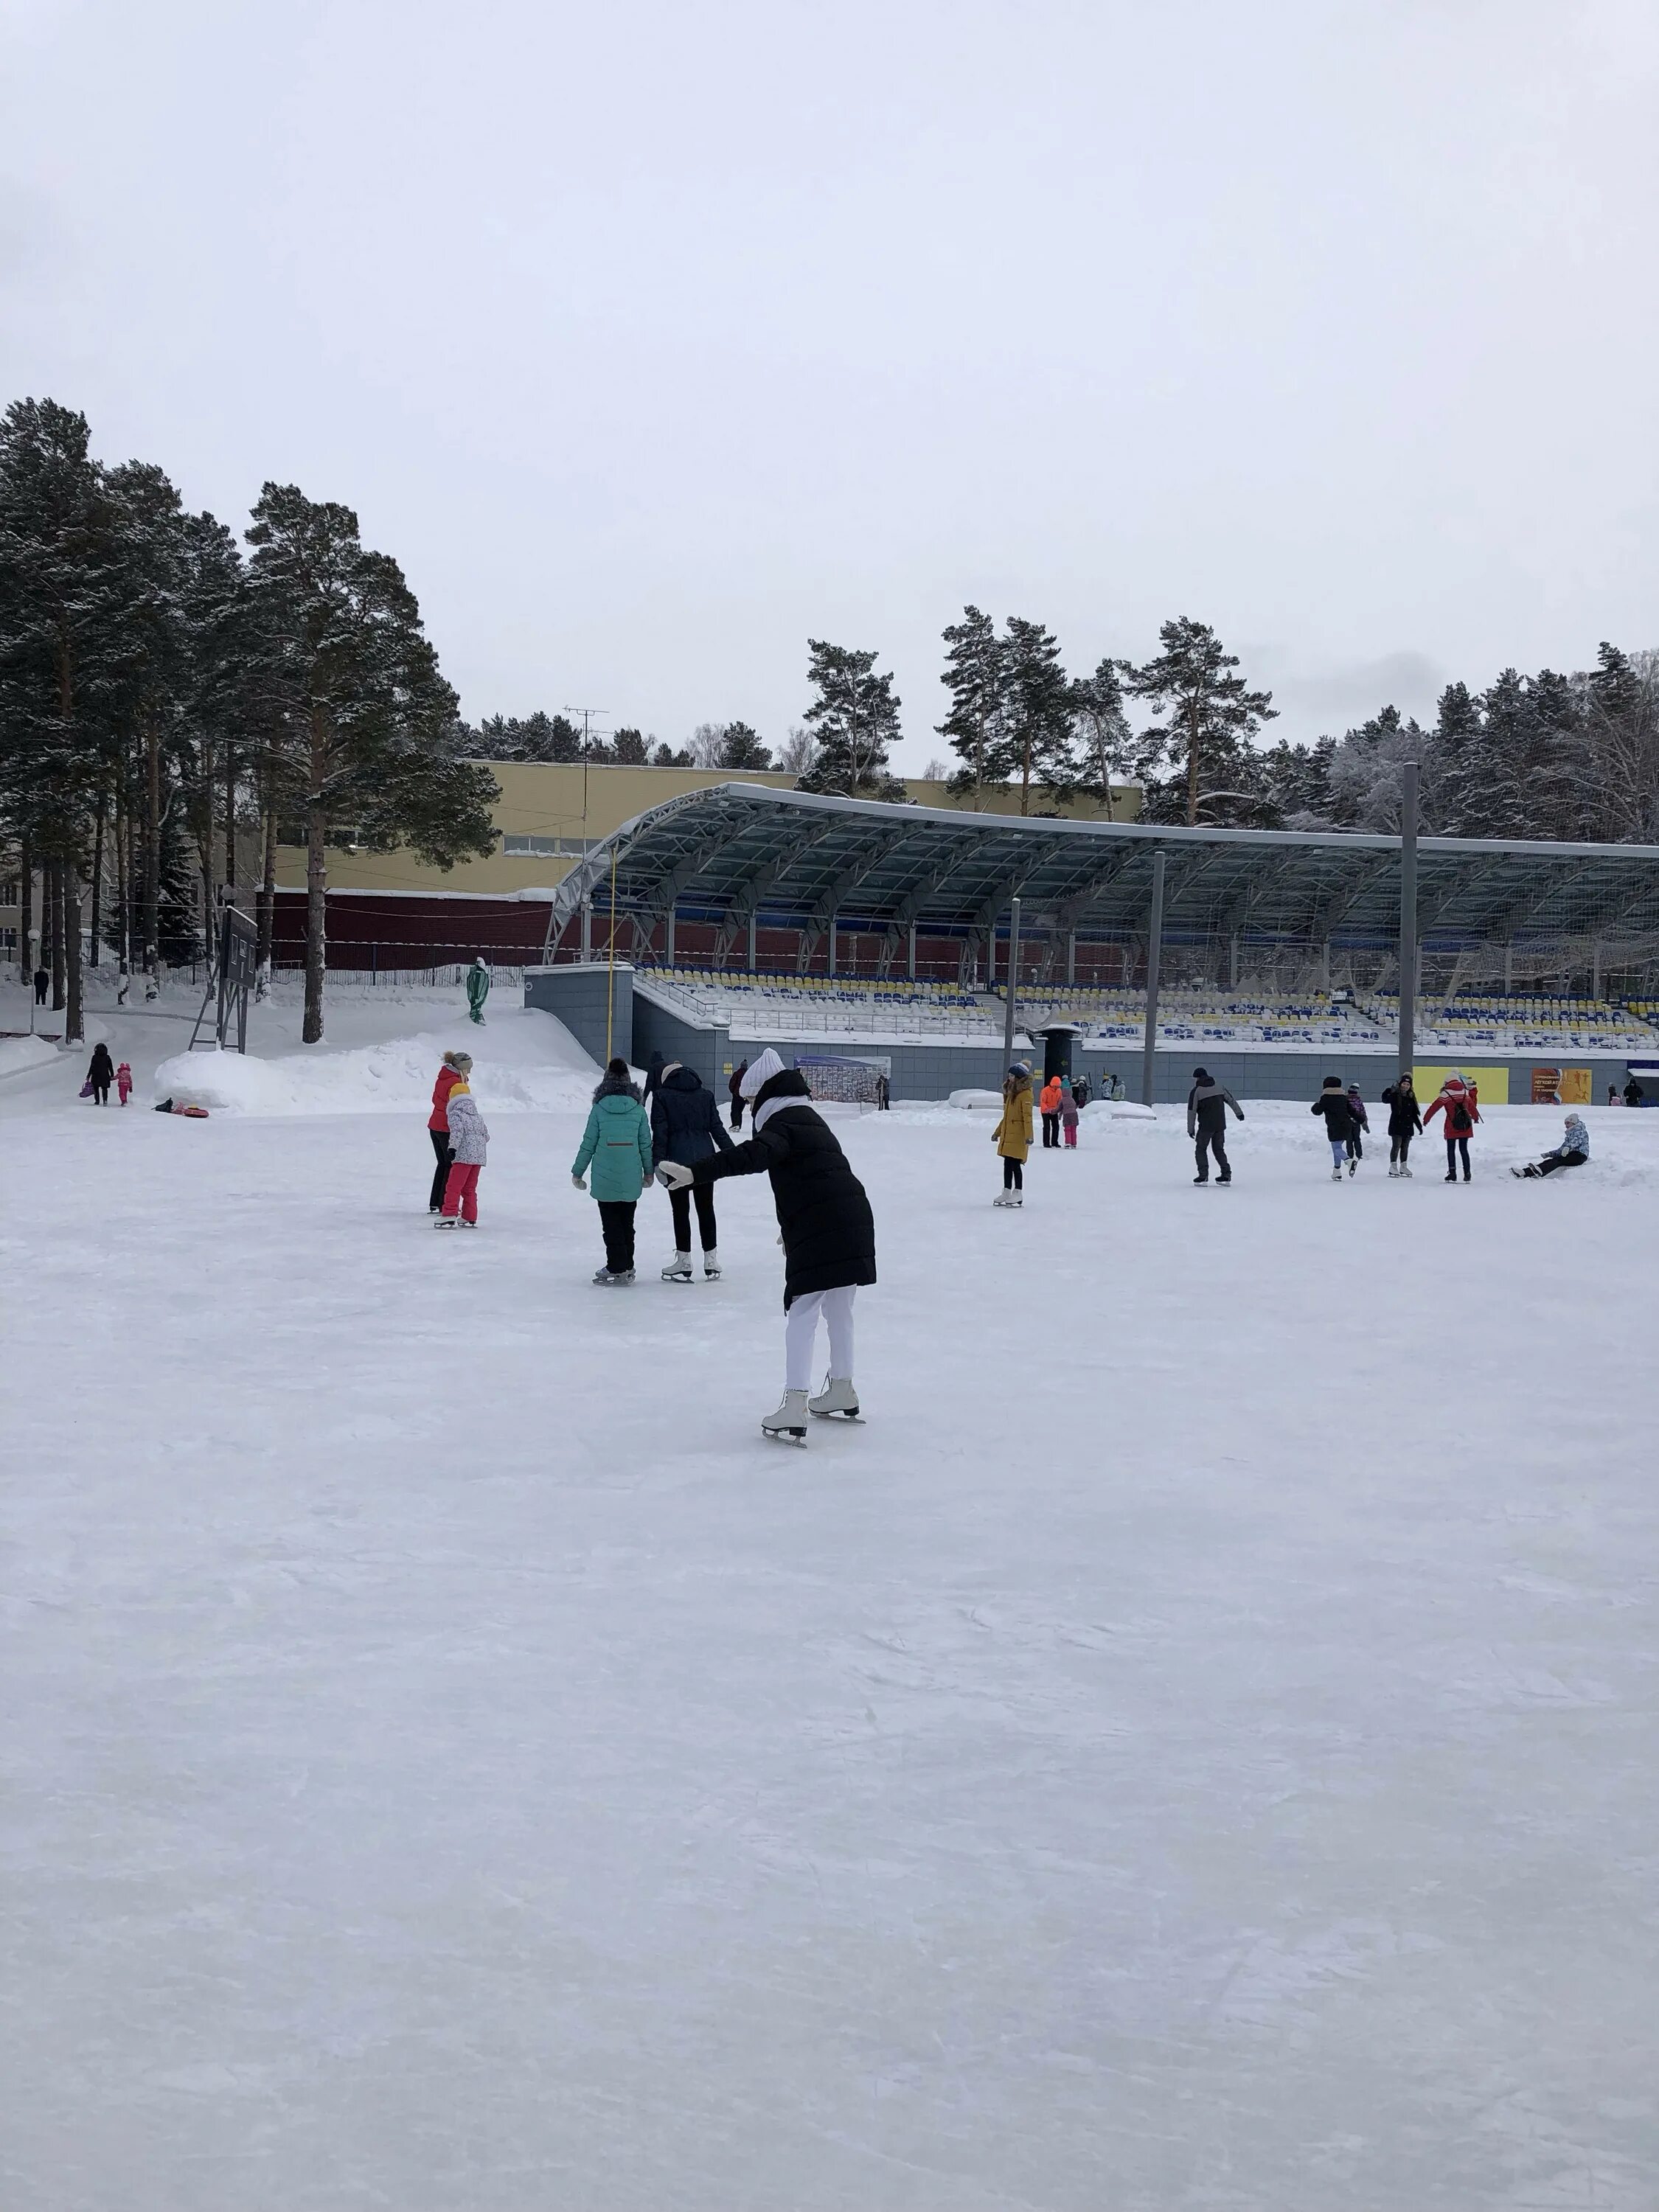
x=1206 y=1123
x=101 y=1074
x=1333 y=1103
x=686 y=1127
x=1405 y=1122
x=829 y=1232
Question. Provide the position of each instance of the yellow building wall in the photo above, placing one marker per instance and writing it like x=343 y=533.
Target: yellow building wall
x=572 y=805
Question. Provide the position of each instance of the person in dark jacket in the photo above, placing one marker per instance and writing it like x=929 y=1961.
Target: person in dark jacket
x=686 y=1127
x=653 y=1077
x=1405 y=1122
x=1333 y=1103
x=734 y=1087
x=101 y=1074
x=828 y=1233
x=1206 y=1123
x=42 y=985
x=1362 y=1123
x=1634 y=1093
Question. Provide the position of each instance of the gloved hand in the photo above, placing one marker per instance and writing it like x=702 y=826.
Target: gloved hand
x=581 y=1181
x=672 y=1176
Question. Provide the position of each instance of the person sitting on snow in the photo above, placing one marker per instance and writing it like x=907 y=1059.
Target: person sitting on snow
x=1572 y=1152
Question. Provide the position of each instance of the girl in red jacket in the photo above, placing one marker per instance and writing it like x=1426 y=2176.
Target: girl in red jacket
x=451 y=1072
x=1458 y=1102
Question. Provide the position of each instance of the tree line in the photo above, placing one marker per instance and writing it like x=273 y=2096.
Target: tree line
x=171 y=696
x=174 y=698
x=1566 y=757
x=1572 y=758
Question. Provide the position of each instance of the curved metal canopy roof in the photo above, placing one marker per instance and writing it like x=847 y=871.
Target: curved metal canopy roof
x=737 y=849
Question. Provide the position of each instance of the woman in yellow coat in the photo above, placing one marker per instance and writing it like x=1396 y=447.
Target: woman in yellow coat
x=1012 y=1134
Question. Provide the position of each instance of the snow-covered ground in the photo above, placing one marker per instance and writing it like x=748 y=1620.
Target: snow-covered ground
x=1192 y=1748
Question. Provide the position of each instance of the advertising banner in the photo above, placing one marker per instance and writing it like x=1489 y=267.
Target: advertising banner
x=1492 y=1083
x=1560 y=1086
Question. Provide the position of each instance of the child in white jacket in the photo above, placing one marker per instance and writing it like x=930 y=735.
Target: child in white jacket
x=469 y=1145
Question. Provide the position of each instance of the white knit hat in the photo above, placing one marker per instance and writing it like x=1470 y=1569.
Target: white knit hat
x=759 y=1072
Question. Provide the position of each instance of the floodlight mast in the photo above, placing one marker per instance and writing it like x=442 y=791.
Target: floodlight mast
x=1408 y=919
x=1154 y=948
x=1012 y=982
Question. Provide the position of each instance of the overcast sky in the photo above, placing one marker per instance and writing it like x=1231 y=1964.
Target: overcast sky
x=654 y=338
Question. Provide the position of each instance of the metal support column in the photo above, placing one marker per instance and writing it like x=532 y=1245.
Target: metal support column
x=834 y=920
x=1153 y=957
x=1071 y=959
x=1154 y=950
x=669 y=939
x=991 y=958
x=1014 y=971
x=910 y=959
x=1232 y=961
x=752 y=940
x=1408 y=919
x=587 y=930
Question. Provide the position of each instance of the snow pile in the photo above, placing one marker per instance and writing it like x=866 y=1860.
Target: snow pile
x=968 y=1100
x=19 y=1053
x=393 y=1077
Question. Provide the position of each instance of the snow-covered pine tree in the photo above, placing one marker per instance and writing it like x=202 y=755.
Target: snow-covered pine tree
x=854 y=719
x=1621 y=720
x=1460 y=765
x=59 y=653
x=1209 y=715
x=974 y=666
x=366 y=692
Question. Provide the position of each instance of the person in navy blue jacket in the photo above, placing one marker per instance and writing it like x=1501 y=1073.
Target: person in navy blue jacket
x=686 y=1127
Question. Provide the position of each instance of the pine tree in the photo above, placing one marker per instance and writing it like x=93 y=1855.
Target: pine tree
x=741 y=748
x=1621 y=725
x=627 y=746
x=1209 y=715
x=373 y=713
x=1037 y=697
x=57 y=651
x=854 y=719
x=1106 y=744
x=1456 y=798
x=156 y=676
x=974 y=676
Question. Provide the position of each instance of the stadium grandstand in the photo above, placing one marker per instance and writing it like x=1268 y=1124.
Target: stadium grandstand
x=858 y=935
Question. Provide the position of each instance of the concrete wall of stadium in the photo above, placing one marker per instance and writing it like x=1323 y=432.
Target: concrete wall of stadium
x=638 y=1027
x=1299 y=1075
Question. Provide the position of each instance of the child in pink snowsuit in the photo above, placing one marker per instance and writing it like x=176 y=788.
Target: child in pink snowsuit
x=124 y=1082
x=1069 y=1113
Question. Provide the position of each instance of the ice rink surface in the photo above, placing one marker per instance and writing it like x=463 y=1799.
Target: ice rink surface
x=1192 y=1751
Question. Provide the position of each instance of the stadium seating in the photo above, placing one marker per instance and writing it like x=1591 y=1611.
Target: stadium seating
x=1114 y=1014
x=829 y=1005
x=824 y=1005
x=1522 y=1021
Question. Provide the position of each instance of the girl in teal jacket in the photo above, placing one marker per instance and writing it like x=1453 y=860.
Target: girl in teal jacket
x=616 y=1143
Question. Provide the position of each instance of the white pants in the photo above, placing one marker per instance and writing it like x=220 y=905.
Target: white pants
x=800 y=1327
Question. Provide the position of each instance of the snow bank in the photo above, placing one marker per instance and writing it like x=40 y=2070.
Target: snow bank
x=17 y=1054
x=394 y=1076
x=968 y=1100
